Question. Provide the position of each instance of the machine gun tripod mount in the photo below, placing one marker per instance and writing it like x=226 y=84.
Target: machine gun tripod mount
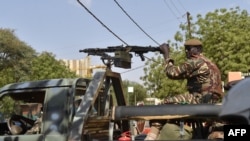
x=122 y=54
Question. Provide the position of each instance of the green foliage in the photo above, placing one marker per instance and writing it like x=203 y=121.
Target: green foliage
x=15 y=56
x=19 y=62
x=45 y=66
x=155 y=79
x=225 y=35
x=6 y=106
x=139 y=94
x=226 y=41
x=6 y=76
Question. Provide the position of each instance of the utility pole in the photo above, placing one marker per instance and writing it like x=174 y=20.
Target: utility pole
x=189 y=25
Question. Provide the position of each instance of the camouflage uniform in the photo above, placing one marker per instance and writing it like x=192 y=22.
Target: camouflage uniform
x=203 y=83
x=181 y=99
x=203 y=77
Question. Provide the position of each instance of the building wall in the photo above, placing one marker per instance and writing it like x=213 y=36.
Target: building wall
x=79 y=66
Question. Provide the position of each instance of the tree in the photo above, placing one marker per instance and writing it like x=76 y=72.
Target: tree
x=226 y=40
x=20 y=62
x=224 y=34
x=155 y=79
x=45 y=66
x=139 y=94
x=15 y=56
x=7 y=105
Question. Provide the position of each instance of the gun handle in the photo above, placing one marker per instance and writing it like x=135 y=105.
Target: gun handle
x=142 y=57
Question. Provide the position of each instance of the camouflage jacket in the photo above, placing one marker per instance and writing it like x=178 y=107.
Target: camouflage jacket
x=181 y=99
x=202 y=75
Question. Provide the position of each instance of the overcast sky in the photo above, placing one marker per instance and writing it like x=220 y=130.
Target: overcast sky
x=63 y=27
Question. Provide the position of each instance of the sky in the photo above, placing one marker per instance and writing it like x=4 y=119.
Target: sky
x=63 y=27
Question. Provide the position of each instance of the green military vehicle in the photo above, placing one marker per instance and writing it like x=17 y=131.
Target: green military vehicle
x=58 y=109
x=79 y=109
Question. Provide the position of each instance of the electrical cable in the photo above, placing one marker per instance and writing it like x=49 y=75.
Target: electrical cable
x=113 y=32
x=182 y=5
x=175 y=7
x=139 y=66
x=133 y=69
x=136 y=23
x=171 y=10
x=100 y=21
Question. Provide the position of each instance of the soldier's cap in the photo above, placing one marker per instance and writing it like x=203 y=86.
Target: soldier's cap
x=193 y=42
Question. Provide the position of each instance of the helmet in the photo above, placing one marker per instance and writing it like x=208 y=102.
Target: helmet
x=236 y=105
x=193 y=42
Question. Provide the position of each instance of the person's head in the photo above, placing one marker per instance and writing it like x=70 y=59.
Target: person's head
x=193 y=47
x=235 y=105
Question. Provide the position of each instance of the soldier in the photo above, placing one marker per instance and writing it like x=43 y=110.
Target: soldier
x=203 y=76
x=203 y=84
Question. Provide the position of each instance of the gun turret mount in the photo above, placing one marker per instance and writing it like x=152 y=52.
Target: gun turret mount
x=122 y=59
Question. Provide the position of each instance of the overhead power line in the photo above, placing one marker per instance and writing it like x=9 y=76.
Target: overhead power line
x=133 y=69
x=113 y=32
x=136 y=23
x=182 y=5
x=171 y=10
x=100 y=21
x=175 y=7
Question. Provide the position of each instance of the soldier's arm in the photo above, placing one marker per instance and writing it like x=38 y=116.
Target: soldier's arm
x=181 y=71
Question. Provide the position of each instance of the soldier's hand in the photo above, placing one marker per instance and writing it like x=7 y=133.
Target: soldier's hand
x=165 y=50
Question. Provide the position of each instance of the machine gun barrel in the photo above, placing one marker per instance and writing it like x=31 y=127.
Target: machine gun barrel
x=139 y=50
x=136 y=49
x=122 y=56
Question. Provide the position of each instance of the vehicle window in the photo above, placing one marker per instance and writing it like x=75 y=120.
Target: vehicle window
x=21 y=113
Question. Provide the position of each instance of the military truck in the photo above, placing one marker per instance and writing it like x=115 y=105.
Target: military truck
x=80 y=109
x=76 y=109
x=57 y=109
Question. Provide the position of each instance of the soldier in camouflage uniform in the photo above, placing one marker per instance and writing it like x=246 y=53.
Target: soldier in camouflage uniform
x=203 y=83
x=203 y=76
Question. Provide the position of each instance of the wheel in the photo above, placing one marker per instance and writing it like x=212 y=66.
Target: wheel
x=16 y=125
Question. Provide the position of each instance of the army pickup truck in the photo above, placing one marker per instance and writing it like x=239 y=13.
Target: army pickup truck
x=67 y=109
x=79 y=109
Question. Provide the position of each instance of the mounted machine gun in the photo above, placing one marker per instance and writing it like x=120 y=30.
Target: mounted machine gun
x=122 y=55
